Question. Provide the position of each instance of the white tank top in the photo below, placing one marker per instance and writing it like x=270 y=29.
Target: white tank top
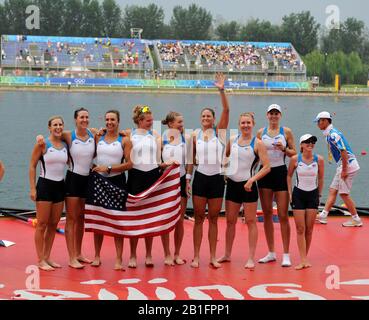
x=144 y=151
x=82 y=154
x=175 y=152
x=109 y=154
x=307 y=174
x=209 y=155
x=53 y=162
x=276 y=156
x=243 y=161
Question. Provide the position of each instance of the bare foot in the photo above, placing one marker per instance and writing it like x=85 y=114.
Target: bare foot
x=75 y=264
x=132 y=263
x=179 y=261
x=53 y=264
x=43 y=265
x=307 y=265
x=149 y=263
x=224 y=259
x=169 y=261
x=119 y=265
x=215 y=265
x=250 y=265
x=195 y=263
x=84 y=260
x=300 y=266
x=96 y=263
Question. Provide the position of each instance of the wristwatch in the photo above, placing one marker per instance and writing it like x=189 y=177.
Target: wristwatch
x=110 y=168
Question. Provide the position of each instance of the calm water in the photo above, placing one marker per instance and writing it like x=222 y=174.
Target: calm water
x=23 y=115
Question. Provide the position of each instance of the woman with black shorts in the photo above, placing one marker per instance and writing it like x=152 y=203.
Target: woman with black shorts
x=49 y=192
x=309 y=169
x=146 y=159
x=208 y=185
x=280 y=144
x=113 y=158
x=175 y=148
x=244 y=152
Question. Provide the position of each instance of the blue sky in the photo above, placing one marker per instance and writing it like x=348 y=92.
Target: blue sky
x=242 y=10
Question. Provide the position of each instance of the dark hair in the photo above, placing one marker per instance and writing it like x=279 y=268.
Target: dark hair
x=171 y=116
x=76 y=113
x=117 y=113
x=329 y=121
x=208 y=109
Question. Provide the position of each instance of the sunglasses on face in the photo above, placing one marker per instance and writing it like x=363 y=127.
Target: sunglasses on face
x=310 y=142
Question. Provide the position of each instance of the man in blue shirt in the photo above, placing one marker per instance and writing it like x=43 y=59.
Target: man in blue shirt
x=348 y=167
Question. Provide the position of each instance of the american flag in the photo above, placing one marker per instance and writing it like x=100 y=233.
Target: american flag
x=114 y=212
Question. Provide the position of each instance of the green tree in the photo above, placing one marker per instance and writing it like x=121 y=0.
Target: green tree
x=332 y=41
x=354 y=68
x=112 y=18
x=193 y=23
x=15 y=15
x=150 y=19
x=301 y=29
x=92 y=21
x=72 y=20
x=352 y=35
x=260 y=31
x=51 y=17
x=315 y=64
x=228 y=31
x=4 y=25
x=336 y=64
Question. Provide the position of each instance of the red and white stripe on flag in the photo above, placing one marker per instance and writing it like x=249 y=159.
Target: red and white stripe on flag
x=154 y=212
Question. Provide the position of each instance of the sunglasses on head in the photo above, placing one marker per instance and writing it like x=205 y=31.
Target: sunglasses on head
x=145 y=109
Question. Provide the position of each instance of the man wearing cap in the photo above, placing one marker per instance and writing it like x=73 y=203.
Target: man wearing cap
x=348 y=167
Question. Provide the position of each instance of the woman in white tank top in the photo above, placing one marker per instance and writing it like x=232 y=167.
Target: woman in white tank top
x=175 y=149
x=113 y=158
x=280 y=144
x=50 y=190
x=305 y=197
x=81 y=143
x=208 y=185
x=146 y=158
x=244 y=152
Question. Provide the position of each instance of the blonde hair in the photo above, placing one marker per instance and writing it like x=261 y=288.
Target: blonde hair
x=55 y=118
x=248 y=114
x=138 y=113
x=171 y=117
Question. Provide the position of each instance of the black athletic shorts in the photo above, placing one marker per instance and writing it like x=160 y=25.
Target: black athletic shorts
x=50 y=191
x=119 y=181
x=236 y=192
x=139 y=181
x=209 y=187
x=302 y=200
x=76 y=185
x=275 y=180
x=183 y=187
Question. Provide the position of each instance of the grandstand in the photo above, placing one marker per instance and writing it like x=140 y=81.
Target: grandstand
x=44 y=56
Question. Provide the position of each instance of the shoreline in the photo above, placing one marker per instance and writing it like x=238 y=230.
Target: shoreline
x=344 y=93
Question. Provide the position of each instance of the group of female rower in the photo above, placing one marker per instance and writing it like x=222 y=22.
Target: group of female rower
x=210 y=168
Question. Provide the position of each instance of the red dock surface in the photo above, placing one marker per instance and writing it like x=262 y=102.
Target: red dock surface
x=340 y=259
